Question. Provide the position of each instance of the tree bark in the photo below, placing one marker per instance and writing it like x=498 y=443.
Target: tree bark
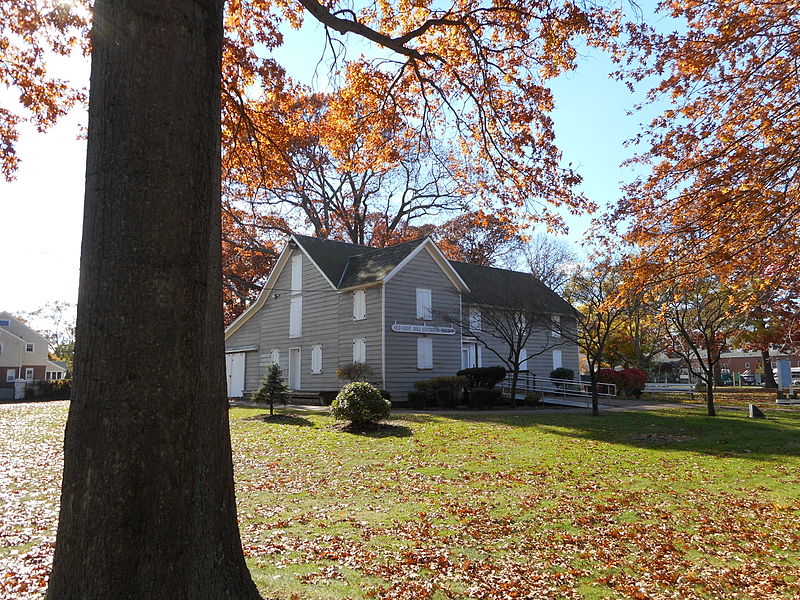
x=147 y=503
x=595 y=398
x=769 y=376
x=710 y=394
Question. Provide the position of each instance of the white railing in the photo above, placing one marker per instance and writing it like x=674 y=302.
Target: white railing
x=669 y=388
x=556 y=387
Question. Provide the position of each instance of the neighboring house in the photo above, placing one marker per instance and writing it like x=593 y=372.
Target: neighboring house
x=24 y=353
x=329 y=303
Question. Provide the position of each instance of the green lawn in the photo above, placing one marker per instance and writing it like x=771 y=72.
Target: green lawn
x=670 y=504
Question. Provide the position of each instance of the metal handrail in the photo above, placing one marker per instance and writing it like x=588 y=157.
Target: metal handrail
x=528 y=382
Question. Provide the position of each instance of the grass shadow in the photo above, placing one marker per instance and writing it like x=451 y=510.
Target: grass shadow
x=374 y=430
x=726 y=435
x=281 y=419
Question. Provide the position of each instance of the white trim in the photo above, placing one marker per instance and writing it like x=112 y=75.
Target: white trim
x=316 y=357
x=236 y=349
x=308 y=256
x=383 y=336
x=266 y=291
x=438 y=257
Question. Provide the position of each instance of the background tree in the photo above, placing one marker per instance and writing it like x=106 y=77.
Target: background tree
x=56 y=322
x=550 y=259
x=593 y=292
x=640 y=333
x=700 y=323
x=721 y=188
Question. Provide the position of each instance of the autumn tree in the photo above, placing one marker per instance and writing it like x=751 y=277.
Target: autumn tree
x=720 y=188
x=594 y=293
x=56 y=322
x=701 y=321
x=640 y=333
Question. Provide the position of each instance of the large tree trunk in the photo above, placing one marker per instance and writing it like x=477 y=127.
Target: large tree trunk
x=710 y=394
x=595 y=397
x=769 y=376
x=147 y=504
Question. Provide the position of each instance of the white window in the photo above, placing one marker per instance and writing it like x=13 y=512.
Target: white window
x=424 y=309
x=359 y=305
x=556 y=359
x=556 y=326
x=474 y=319
x=296 y=317
x=28 y=347
x=316 y=359
x=275 y=356
x=11 y=375
x=424 y=353
x=360 y=350
x=29 y=373
x=523 y=359
x=297 y=273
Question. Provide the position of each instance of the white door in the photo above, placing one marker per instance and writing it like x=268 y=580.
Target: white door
x=469 y=355
x=234 y=369
x=294 y=368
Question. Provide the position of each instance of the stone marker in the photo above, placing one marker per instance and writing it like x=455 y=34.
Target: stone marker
x=756 y=413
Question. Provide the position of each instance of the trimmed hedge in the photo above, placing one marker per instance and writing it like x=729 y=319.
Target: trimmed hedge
x=49 y=389
x=562 y=373
x=482 y=398
x=629 y=382
x=483 y=377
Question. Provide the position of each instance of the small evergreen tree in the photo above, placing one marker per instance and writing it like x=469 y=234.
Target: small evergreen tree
x=272 y=389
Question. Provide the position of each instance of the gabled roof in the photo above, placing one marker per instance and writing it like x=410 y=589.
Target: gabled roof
x=330 y=256
x=19 y=325
x=503 y=288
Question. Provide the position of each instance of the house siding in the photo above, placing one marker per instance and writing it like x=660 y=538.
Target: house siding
x=369 y=329
x=401 y=348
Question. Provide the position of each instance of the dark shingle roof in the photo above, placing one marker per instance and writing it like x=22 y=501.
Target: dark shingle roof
x=350 y=265
x=509 y=289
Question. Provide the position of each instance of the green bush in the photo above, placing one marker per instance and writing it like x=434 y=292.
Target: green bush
x=49 y=389
x=455 y=383
x=483 y=398
x=418 y=399
x=360 y=403
x=483 y=377
x=386 y=394
x=562 y=373
x=533 y=398
x=445 y=398
x=327 y=397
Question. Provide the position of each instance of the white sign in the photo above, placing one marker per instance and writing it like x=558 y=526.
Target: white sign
x=429 y=329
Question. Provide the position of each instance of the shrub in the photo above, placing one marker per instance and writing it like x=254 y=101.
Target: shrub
x=354 y=371
x=360 y=402
x=456 y=383
x=386 y=394
x=327 y=397
x=562 y=373
x=49 y=389
x=446 y=398
x=272 y=389
x=629 y=382
x=533 y=398
x=483 y=377
x=417 y=399
x=481 y=398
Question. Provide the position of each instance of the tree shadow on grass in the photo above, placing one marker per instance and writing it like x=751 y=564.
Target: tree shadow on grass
x=281 y=419
x=684 y=430
x=374 y=430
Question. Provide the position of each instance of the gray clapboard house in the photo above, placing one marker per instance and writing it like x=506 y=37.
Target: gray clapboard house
x=328 y=303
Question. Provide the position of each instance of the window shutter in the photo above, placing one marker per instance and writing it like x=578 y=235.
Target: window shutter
x=297 y=273
x=360 y=350
x=296 y=317
x=424 y=353
x=474 y=319
x=275 y=356
x=424 y=309
x=556 y=332
x=316 y=359
x=359 y=305
x=556 y=359
x=523 y=359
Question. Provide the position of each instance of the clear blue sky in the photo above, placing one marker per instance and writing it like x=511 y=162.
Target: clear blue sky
x=42 y=209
